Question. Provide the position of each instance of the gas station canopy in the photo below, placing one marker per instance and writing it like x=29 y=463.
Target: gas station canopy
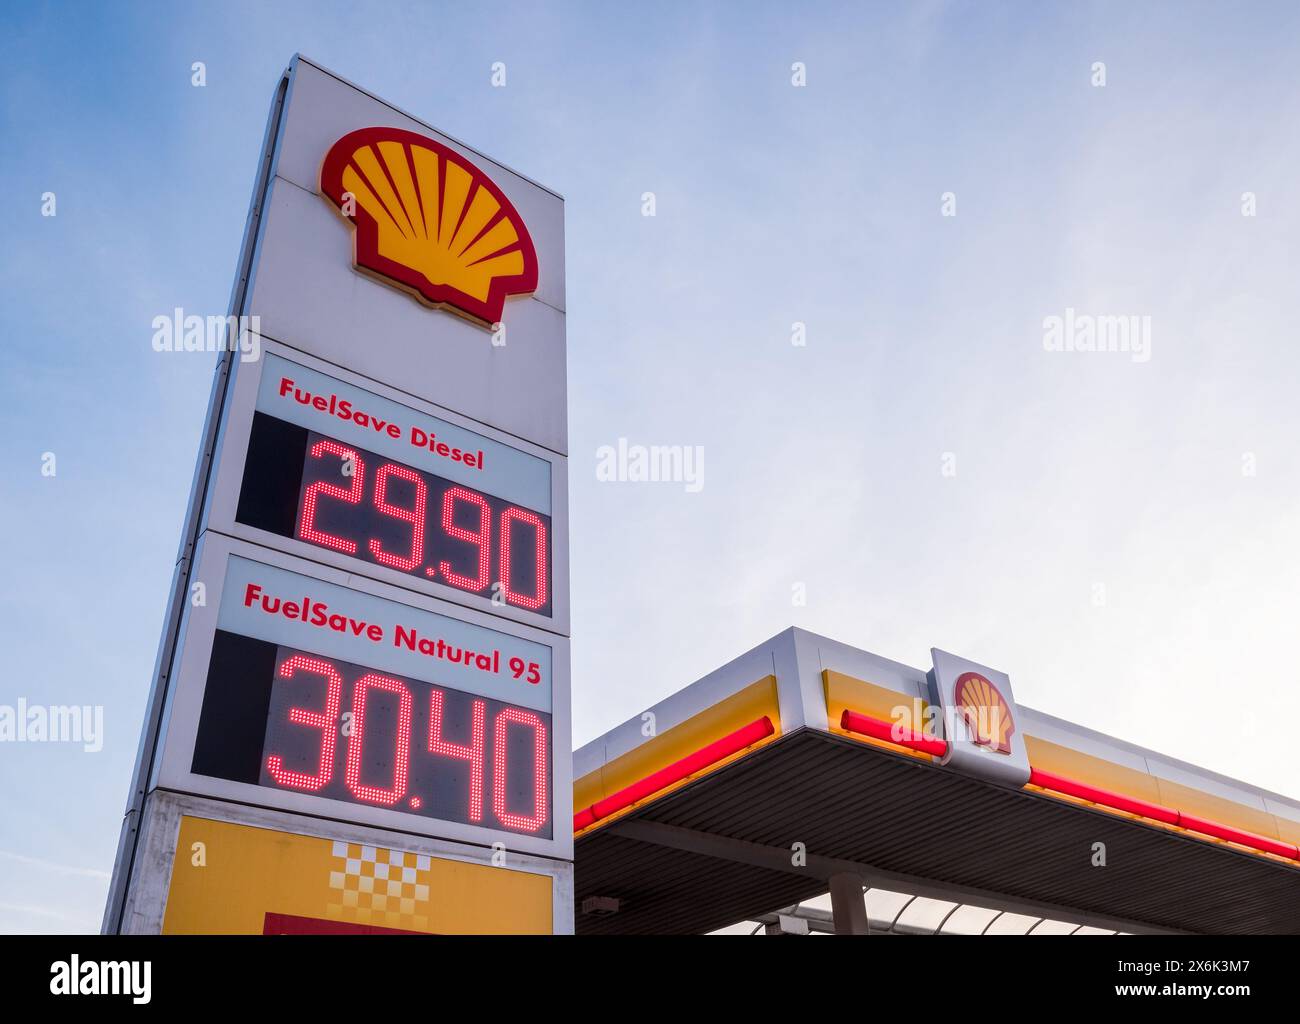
x=806 y=766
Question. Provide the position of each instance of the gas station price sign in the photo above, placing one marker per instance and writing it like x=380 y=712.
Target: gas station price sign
x=369 y=622
x=340 y=468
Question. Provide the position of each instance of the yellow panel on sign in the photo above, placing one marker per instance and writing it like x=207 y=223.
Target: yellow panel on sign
x=237 y=880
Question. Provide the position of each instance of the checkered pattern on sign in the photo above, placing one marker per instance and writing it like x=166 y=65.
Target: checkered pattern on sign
x=372 y=885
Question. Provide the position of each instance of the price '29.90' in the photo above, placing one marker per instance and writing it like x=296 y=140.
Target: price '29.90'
x=315 y=488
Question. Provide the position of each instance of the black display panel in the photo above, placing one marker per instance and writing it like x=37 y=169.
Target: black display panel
x=292 y=720
x=302 y=484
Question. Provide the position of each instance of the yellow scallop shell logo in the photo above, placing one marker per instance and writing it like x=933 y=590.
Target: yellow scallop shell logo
x=429 y=221
x=987 y=714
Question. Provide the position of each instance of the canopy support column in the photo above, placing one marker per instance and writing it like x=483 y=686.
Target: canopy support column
x=849 y=904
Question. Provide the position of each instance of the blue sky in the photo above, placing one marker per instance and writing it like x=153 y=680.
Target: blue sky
x=775 y=205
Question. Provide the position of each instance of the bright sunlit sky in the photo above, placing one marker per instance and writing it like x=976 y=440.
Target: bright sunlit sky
x=1077 y=474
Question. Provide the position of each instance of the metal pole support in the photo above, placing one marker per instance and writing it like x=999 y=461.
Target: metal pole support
x=849 y=904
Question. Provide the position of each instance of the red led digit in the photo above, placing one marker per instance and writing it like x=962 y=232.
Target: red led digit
x=480 y=537
x=413 y=515
x=402 y=753
x=538 y=597
x=326 y=721
x=307 y=525
x=473 y=752
x=500 y=731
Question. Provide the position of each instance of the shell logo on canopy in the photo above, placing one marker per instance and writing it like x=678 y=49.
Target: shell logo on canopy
x=988 y=716
x=428 y=221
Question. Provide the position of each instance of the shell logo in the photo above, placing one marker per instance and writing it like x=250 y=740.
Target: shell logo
x=987 y=714
x=428 y=221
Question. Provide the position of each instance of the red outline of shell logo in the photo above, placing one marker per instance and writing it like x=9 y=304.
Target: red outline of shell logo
x=987 y=713
x=429 y=221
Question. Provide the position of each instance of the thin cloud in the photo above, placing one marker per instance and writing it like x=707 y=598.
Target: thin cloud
x=64 y=923
x=63 y=869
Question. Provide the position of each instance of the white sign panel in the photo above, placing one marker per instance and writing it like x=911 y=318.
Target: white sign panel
x=327 y=405
x=979 y=719
x=291 y=610
x=309 y=294
x=318 y=462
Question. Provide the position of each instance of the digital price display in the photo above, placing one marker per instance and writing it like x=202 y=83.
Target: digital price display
x=340 y=468
x=293 y=720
